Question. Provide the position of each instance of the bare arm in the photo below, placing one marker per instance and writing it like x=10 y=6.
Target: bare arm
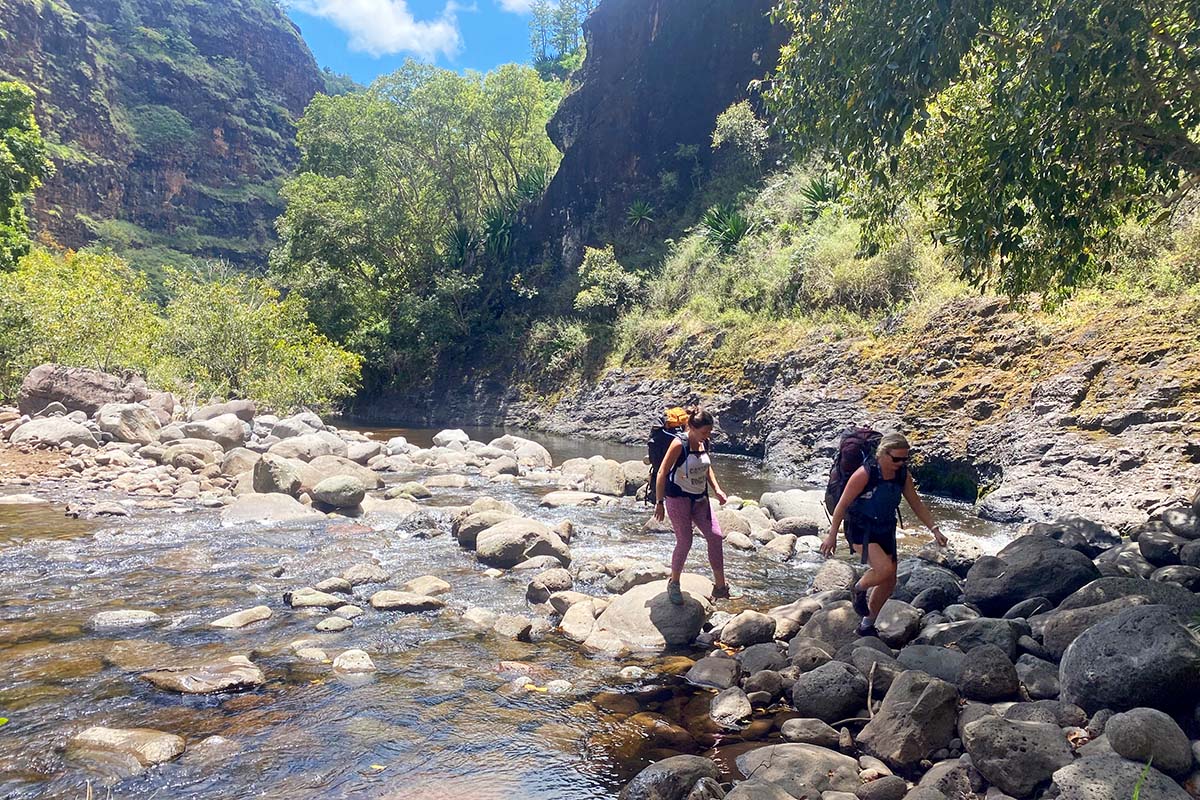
x=712 y=481
x=672 y=455
x=854 y=487
x=920 y=509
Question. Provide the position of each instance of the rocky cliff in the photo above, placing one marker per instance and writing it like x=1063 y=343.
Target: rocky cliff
x=657 y=75
x=172 y=122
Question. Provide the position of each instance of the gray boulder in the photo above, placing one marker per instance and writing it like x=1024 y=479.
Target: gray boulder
x=1142 y=656
x=645 y=620
x=1183 y=522
x=1088 y=537
x=758 y=657
x=305 y=447
x=836 y=625
x=917 y=719
x=267 y=509
x=77 y=388
x=1110 y=777
x=339 y=491
x=1161 y=548
x=802 y=504
x=273 y=474
x=802 y=730
x=1142 y=734
x=1157 y=592
x=831 y=692
x=898 y=623
x=1031 y=566
x=988 y=674
x=915 y=576
x=1059 y=628
x=242 y=409
x=973 y=633
x=748 y=628
x=53 y=432
x=514 y=540
x=730 y=709
x=129 y=422
x=1040 y=678
x=714 y=672
x=1180 y=574
x=527 y=452
x=1125 y=560
x=802 y=770
x=670 y=779
x=1016 y=757
x=226 y=430
x=941 y=662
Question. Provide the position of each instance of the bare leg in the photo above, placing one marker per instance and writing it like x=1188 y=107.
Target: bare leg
x=883 y=578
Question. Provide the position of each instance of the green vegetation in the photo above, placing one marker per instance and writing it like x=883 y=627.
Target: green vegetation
x=1032 y=129
x=555 y=37
x=605 y=287
x=221 y=335
x=23 y=165
x=401 y=222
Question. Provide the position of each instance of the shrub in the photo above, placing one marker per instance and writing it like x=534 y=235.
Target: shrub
x=725 y=226
x=557 y=347
x=739 y=130
x=162 y=131
x=605 y=286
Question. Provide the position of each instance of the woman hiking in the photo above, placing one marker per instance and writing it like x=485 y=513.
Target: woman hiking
x=682 y=492
x=868 y=505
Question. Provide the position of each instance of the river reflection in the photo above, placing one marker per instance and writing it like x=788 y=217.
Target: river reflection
x=436 y=720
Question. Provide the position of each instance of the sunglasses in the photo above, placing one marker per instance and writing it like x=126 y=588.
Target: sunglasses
x=898 y=459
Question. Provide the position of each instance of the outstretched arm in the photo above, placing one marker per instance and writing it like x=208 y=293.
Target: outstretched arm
x=922 y=511
x=712 y=481
x=854 y=487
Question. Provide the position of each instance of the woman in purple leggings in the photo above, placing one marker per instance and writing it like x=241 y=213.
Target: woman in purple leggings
x=683 y=496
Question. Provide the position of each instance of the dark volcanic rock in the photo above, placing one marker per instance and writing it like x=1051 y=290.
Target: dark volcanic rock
x=669 y=779
x=1142 y=656
x=1031 y=566
x=917 y=719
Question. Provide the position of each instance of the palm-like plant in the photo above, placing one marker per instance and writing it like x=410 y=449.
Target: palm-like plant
x=640 y=215
x=497 y=232
x=820 y=192
x=725 y=226
x=457 y=242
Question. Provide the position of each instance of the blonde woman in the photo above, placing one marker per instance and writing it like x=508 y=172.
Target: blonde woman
x=868 y=505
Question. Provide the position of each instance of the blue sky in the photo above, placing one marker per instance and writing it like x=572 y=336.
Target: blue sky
x=368 y=38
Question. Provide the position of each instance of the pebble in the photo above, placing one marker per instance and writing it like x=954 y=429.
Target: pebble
x=348 y=611
x=240 y=619
x=334 y=624
x=354 y=661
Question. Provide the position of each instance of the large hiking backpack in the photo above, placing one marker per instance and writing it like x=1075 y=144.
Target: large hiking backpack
x=674 y=428
x=856 y=446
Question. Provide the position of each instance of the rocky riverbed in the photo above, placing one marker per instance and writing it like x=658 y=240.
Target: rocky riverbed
x=253 y=605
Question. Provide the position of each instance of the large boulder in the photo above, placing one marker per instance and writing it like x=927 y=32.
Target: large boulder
x=645 y=620
x=915 y=577
x=226 y=430
x=340 y=491
x=837 y=625
x=898 y=623
x=511 y=541
x=53 y=432
x=1031 y=566
x=972 y=633
x=129 y=422
x=267 y=509
x=1058 y=628
x=527 y=452
x=242 y=409
x=1112 y=588
x=135 y=749
x=1142 y=656
x=305 y=447
x=917 y=718
x=186 y=452
x=831 y=692
x=604 y=476
x=467 y=530
x=232 y=674
x=275 y=475
x=237 y=461
x=76 y=388
x=802 y=770
x=748 y=628
x=1088 y=537
x=1142 y=734
x=332 y=466
x=799 y=504
x=1016 y=757
x=670 y=779
x=1110 y=777
x=988 y=674
x=448 y=437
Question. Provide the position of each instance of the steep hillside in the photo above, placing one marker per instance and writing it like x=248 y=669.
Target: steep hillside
x=172 y=120
x=639 y=125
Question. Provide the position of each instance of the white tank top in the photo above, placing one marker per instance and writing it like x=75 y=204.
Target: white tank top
x=692 y=473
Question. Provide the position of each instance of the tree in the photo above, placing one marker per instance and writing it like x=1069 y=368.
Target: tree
x=556 y=37
x=399 y=188
x=1036 y=126
x=605 y=287
x=23 y=166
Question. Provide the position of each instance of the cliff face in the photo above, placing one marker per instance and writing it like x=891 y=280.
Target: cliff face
x=173 y=122
x=657 y=75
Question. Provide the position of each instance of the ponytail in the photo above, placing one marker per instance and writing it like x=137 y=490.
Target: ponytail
x=699 y=417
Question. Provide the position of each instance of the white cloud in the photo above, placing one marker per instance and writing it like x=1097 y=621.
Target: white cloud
x=387 y=27
x=516 y=6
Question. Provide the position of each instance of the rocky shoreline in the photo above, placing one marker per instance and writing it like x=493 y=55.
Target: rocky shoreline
x=1099 y=418
x=1060 y=667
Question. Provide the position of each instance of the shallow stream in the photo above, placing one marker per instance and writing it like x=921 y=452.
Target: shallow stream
x=437 y=719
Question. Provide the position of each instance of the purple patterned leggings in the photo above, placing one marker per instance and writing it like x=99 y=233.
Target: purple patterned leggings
x=683 y=513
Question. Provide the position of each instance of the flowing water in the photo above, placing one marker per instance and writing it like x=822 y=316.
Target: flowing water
x=438 y=718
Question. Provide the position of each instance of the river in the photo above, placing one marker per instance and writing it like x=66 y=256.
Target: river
x=437 y=720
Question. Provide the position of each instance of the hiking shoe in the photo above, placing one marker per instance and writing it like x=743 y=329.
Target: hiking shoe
x=860 y=603
x=674 y=593
x=866 y=628
x=721 y=592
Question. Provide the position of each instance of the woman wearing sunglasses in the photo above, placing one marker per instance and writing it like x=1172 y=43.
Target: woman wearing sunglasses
x=869 y=506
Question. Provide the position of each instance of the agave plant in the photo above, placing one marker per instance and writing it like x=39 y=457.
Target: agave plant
x=532 y=185
x=820 y=192
x=497 y=232
x=640 y=215
x=457 y=242
x=725 y=226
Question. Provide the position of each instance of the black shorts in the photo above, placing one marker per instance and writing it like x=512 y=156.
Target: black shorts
x=886 y=539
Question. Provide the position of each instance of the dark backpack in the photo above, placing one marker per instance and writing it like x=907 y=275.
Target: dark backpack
x=656 y=447
x=857 y=445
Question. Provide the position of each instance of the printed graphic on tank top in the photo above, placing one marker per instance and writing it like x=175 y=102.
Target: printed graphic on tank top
x=690 y=474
